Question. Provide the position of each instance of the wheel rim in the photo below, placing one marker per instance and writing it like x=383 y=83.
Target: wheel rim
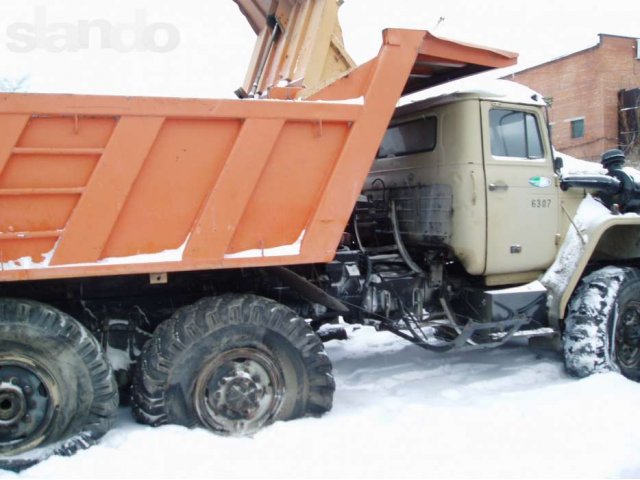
x=628 y=337
x=239 y=391
x=27 y=404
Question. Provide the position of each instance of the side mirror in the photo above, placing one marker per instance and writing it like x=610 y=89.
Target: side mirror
x=558 y=163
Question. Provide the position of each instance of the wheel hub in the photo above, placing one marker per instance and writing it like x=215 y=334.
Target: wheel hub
x=628 y=337
x=239 y=392
x=238 y=396
x=25 y=406
x=13 y=404
x=631 y=334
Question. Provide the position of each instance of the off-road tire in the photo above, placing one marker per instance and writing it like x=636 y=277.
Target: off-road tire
x=603 y=320
x=75 y=398
x=198 y=342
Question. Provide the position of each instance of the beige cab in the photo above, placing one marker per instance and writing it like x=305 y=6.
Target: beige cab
x=491 y=153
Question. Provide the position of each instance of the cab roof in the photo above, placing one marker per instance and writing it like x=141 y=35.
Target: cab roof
x=471 y=89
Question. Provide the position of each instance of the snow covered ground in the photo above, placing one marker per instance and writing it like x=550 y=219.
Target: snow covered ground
x=402 y=412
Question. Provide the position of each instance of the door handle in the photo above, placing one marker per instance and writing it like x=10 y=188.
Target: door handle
x=500 y=187
x=473 y=189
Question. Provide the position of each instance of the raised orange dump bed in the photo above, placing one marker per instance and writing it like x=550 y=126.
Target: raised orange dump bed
x=94 y=185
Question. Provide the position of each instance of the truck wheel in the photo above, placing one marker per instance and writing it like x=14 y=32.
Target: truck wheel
x=232 y=364
x=602 y=331
x=57 y=391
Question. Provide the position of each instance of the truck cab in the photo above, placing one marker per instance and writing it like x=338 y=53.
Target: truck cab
x=473 y=172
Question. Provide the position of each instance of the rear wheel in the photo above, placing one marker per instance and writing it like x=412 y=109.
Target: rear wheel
x=232 y=364
x=602 y=331
x=57 y=391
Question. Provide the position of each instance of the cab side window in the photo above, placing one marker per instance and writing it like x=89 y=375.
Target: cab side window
x=414 y=136
x=515 y=134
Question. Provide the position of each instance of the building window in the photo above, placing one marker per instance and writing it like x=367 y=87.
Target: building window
x=515 y=134
x=577 y=128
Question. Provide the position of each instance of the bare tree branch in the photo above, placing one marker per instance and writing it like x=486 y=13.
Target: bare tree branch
x=14 y=84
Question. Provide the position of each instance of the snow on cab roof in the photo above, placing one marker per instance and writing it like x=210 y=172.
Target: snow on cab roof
x=475 y=88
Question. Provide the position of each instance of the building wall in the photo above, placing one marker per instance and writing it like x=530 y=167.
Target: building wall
x=586 y=85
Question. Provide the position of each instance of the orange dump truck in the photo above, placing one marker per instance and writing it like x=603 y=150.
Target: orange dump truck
x=144 y=241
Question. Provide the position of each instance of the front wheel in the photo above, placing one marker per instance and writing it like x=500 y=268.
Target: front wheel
x=232 y=364
x=602 y=330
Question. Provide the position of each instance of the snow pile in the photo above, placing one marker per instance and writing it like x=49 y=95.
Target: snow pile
x=402 y=412
x=502 y=90
x=575 y=166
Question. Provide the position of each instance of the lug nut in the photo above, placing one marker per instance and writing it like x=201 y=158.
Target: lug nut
x=27 y=390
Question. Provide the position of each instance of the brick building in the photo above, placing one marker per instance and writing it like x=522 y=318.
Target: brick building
x=594 y=96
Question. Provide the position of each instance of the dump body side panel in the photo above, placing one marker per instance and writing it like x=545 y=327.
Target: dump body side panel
x=227 y=183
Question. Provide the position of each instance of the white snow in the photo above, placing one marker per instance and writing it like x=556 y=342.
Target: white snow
x=502 y=90
x=347 y=101
x=575 y=166
x=119 y=359
x=401 y=412
x=170 y=255
x=282 y=251
x=534 y=286
x=27 y=263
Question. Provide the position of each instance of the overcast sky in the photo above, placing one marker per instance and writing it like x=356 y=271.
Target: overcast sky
x=210 y=43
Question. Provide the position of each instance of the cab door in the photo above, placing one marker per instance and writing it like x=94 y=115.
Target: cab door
x=522 y=197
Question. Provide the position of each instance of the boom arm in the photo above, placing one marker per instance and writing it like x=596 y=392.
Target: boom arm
x=299 y=44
